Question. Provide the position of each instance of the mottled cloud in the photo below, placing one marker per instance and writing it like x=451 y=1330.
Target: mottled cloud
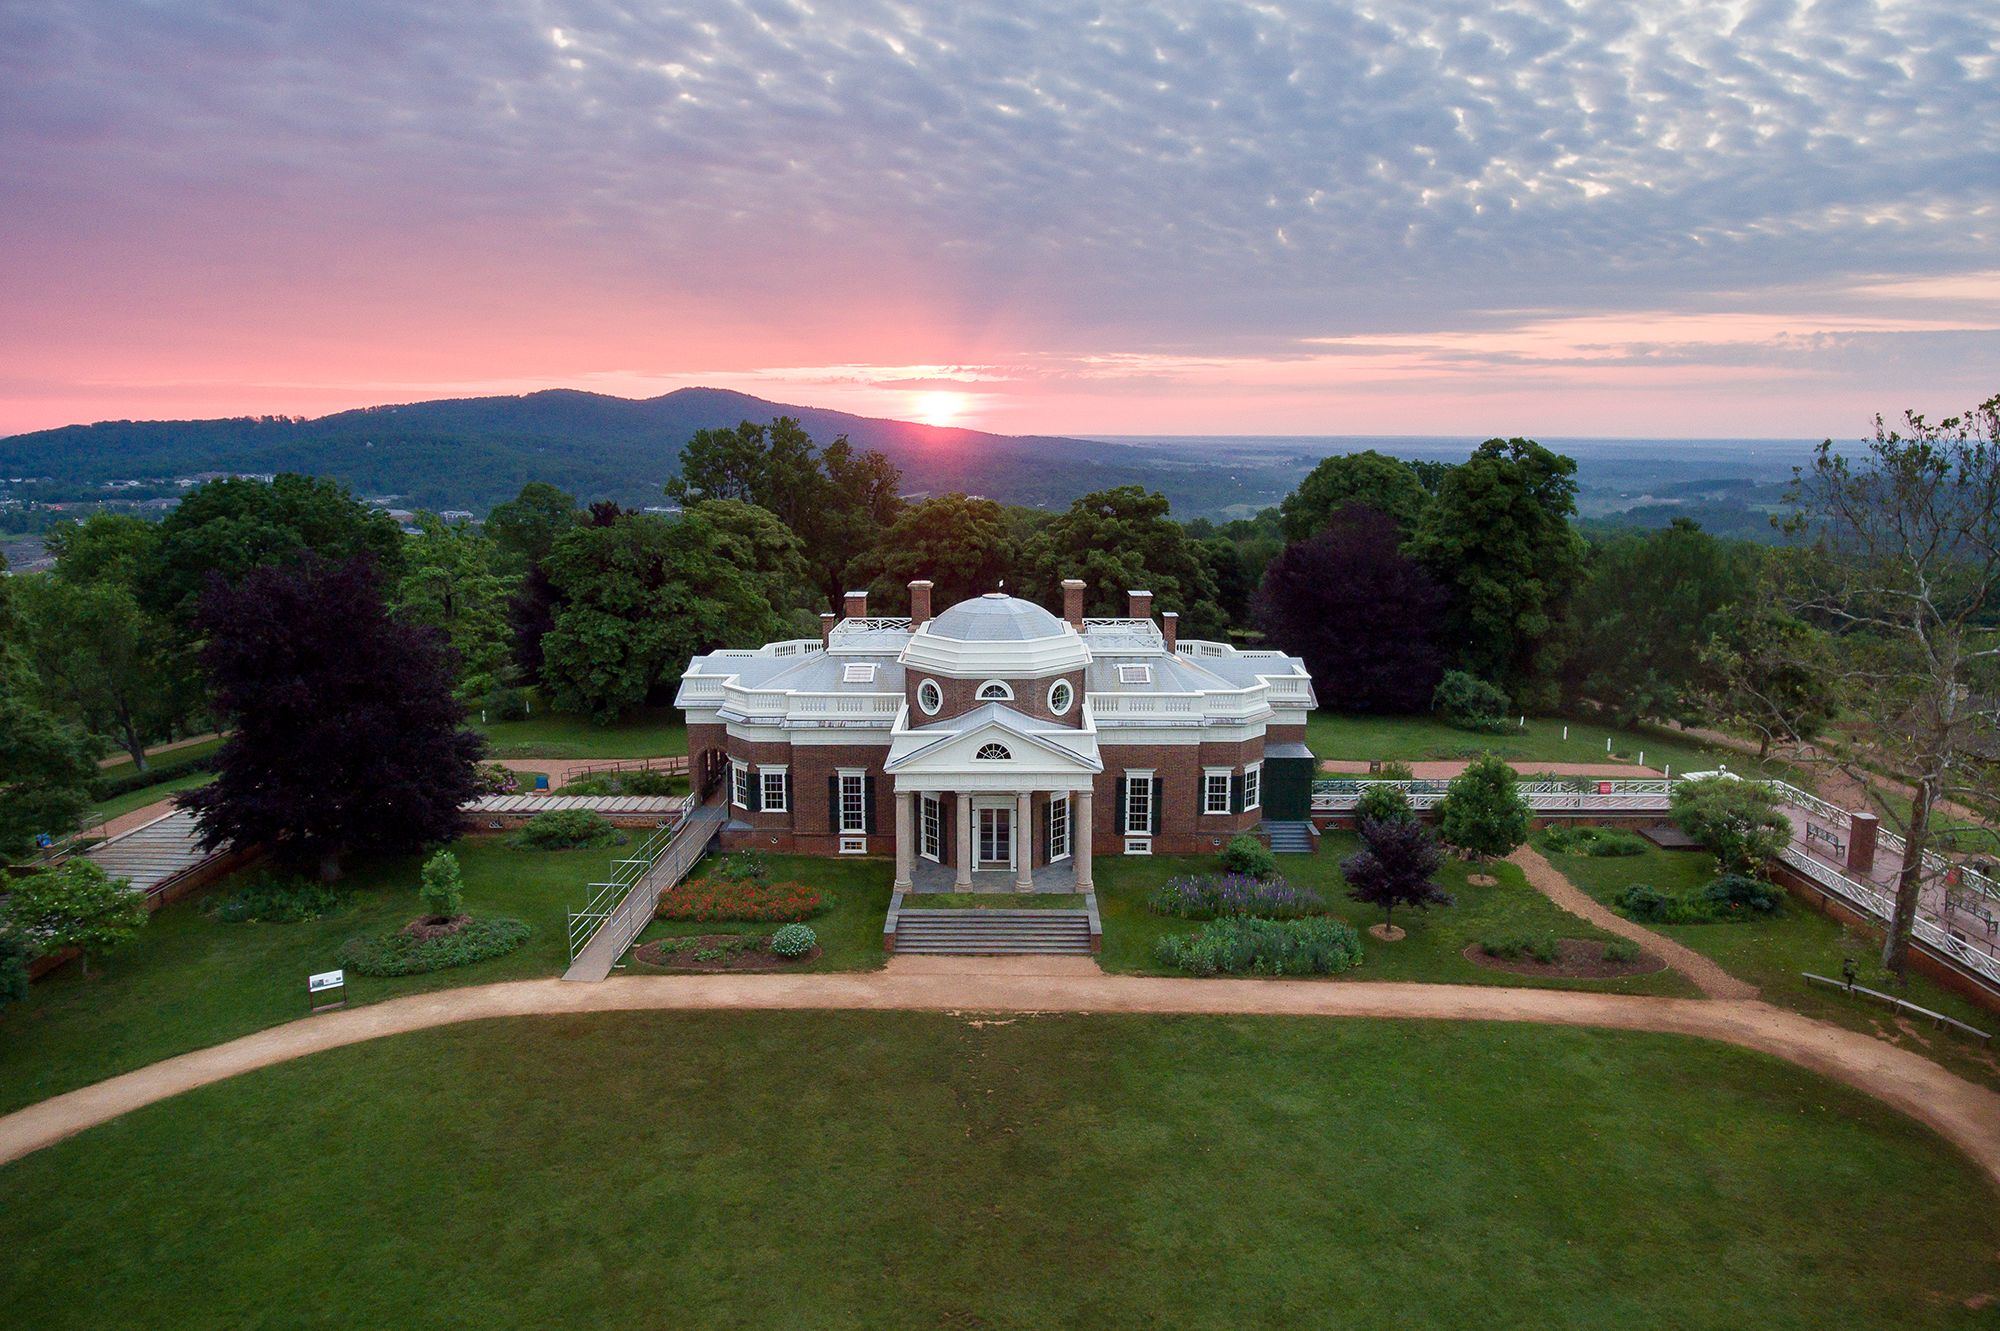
x=1077 y=202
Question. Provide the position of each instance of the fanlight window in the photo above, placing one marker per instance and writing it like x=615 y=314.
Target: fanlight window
x=995 y=691
x=992 y=753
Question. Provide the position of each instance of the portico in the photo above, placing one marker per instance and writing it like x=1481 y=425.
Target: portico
x=985 y=840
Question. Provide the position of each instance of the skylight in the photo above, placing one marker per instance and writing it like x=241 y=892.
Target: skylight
x=858 y=672
x=1135 y=674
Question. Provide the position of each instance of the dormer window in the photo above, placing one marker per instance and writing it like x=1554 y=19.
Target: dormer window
x=858 y=672
x=1135 y=673
x=992 y=753
x=995 y=690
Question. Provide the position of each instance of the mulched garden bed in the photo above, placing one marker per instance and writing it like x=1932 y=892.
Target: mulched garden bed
x=684 y=956
x=1581 y=959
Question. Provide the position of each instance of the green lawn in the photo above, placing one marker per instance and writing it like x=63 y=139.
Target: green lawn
x=163 y=761
x=1413 y=738
x=139 y=799
x=1437 y=938
x=191 y=981
x=1772 y=953
x=653 y=732
x=805 y=1170
x=849 y=933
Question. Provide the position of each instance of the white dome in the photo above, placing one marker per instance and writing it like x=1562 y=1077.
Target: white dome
x=995 y=617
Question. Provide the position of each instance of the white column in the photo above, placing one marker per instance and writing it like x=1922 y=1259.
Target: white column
x=1024 y=841
x=963 y=881
x=906 y=840
x=1079 y=836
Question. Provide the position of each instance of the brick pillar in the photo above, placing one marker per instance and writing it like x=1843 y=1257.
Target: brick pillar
x=1170 y=627
x=826 y=623
x=1073 y=603
x=1861 y=844
x=855 y=605
x=1139 y=605
x=920 y=602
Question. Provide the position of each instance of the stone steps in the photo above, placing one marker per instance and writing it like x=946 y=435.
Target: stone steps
x=975 y=932
x=1290 y=838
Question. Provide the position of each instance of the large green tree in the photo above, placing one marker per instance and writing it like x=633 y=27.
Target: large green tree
x=227 y=528
x=526 y=527
x=74 y=905
x=637 y=597
x=45 y=765
x=1642 y=617
x=101 y=661
x=1119 y=540
x=1498 y=536
x=965 y=546
x=1387 y=485
x=451 y=580
x=105 y=547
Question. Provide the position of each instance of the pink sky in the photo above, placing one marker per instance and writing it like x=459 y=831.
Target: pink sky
x=1166 y=221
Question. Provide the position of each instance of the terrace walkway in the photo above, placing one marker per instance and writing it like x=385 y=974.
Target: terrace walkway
x=1965 y=1114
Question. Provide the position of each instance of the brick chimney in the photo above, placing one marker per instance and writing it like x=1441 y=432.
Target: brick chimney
x=826 y=623
x=1073 y=603
x=1170 y=627
x=1139 y=605
x=855 y=606
x=920 y=602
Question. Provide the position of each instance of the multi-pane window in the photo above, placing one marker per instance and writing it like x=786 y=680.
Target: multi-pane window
x=1138 y=802
x=1215 y=792
x=853 y=802
x=992 y=753
x=775 y=789
x=932 y=846
x=739 y=785
x=1059 y=828
x=1253 y=781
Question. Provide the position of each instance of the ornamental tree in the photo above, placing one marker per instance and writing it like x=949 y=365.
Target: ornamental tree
x=345 y=735
x=1736 y=821
x=443 y=888
x=1482 y=812
x=1362 y=616
x=74 y=905
x=1394 y=867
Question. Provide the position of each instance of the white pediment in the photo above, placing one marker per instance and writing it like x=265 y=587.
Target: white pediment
x=1036 y=755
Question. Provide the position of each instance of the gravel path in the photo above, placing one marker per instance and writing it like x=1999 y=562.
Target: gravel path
x=1965 y=1114
x=1708 y=977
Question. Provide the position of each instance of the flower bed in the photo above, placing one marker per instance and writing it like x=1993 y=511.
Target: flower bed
x=1264 y=947
x=740 y=899
x=720 y=952
x=1213 y=896
x=406 y=953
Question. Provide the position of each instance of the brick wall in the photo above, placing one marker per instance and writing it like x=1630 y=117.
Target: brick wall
x=1031 y=697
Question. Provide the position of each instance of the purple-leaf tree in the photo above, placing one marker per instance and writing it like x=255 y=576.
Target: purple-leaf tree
x=1394 y=867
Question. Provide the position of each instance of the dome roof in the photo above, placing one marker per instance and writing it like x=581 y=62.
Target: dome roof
x=995 y=617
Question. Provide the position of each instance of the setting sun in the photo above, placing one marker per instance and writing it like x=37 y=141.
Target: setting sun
x=938 y=408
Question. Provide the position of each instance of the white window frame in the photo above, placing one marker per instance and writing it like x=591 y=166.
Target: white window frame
x=926 y=690
x=1209 y=777
x=1059 y=832
x=930 y=828
x=1134 y=783
x=854 y=845
x=1069 y=697
x=1253 y=786
x=1006 y=693
x=739 y=783
x=1135 y=672
x=993 y=752
x=765 y=775
x=858 y=827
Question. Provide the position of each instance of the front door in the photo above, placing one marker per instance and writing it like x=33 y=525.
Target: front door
x=996 y=839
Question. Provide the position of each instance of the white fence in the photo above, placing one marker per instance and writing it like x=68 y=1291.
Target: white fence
x=1341 y=795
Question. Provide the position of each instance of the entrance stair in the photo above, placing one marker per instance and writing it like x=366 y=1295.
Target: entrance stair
x=1291 y=838
x=972 y=931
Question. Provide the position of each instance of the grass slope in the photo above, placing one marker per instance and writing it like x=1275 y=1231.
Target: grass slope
x=1772 y=953
x=1432 y=951
x=652 y=732
x=1416 y=738
x=805 y=1170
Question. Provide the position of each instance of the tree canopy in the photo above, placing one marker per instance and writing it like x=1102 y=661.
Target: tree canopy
x=1387 y=485
x=73 y=905
x=1121 y=540
x=451 y=581
x=1394 y=867
x=46 y=766
x=102 y=662
x=345 y=736
x=963 y=545
x=1482 y=811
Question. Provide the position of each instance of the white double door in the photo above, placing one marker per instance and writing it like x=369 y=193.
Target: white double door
x=993 y=834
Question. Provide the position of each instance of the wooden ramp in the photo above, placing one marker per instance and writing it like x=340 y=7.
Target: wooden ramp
x=153 y=857
x=624 y=921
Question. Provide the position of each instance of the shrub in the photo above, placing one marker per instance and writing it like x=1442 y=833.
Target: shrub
x=273 y=899
x=1211 y=896
x=506 y=705
x=1384 y=804
x=493 y=779
x=443 y=888
x=1645 y=903
x=1735 y=820
x=745 y=866
x=1513 y=944
x=1621 y=950
x=628 y=783
x=566 y=829
x=1740 y=894
x=405 y=954
x=1470 y=703
x=743 y=899
x=794 y=940
x=1245 y=854
x=1316 y=946
x=1601 y=842
x=1482 y=811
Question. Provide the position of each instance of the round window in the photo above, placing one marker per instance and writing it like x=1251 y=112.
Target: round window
x=930 y=697
x=1061 y=695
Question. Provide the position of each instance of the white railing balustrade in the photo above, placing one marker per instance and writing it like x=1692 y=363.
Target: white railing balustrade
x=1342 y=795
x=872 y=624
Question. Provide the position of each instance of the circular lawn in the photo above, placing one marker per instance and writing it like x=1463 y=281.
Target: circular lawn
x=904 y=1169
